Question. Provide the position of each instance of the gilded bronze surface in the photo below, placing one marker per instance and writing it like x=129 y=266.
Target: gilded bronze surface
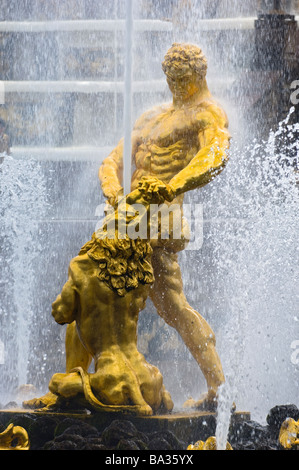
x=209 y=444
x=176 y=147
x=14 y=438
x=107 y=287
x=289 y=433
x=185 y=145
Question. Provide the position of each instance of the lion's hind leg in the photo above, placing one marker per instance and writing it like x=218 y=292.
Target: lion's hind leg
x=125 y=397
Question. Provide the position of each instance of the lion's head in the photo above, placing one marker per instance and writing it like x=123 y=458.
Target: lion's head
x=123 y=263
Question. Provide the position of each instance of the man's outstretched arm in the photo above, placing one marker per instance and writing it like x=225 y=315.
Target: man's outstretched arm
x=110 y=173
x=211 y=158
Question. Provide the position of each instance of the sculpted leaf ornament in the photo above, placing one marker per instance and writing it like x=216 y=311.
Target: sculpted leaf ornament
x=209 y=444
x=14 y=434
x=289 y=433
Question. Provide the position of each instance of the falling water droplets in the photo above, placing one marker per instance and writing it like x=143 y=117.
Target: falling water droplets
x=22 y=205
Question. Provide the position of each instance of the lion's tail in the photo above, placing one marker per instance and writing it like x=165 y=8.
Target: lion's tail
x=98 y=405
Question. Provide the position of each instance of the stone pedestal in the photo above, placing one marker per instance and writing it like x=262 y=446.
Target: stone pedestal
x=186 y=427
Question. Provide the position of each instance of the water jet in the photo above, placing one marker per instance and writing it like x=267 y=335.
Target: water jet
x=245 y=273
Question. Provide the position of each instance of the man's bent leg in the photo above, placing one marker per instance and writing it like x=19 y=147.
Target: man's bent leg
x=169 y=299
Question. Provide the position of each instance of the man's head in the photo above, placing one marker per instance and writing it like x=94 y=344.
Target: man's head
x=185 y=67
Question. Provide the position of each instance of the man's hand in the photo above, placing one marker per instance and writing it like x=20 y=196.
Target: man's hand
x=155 y=191
x=113 y=200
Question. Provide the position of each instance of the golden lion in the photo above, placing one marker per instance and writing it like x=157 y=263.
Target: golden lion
x=107 y=287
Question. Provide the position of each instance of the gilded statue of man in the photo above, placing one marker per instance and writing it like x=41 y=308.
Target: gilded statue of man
x=184 y=144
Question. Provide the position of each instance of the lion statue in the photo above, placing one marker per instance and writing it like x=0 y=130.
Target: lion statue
x=108 y=284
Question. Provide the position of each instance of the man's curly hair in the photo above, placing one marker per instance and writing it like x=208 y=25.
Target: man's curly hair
x=181 y=58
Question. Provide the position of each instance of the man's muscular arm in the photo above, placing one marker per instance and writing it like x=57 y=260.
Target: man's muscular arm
x=213 y=139
x=110 y=173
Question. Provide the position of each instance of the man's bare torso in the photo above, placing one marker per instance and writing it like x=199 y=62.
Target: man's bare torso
x=166 y=139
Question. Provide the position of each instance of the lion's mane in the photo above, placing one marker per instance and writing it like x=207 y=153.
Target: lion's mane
x=123 y=263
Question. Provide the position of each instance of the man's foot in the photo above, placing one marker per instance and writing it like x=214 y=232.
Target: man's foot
x=205 y=403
